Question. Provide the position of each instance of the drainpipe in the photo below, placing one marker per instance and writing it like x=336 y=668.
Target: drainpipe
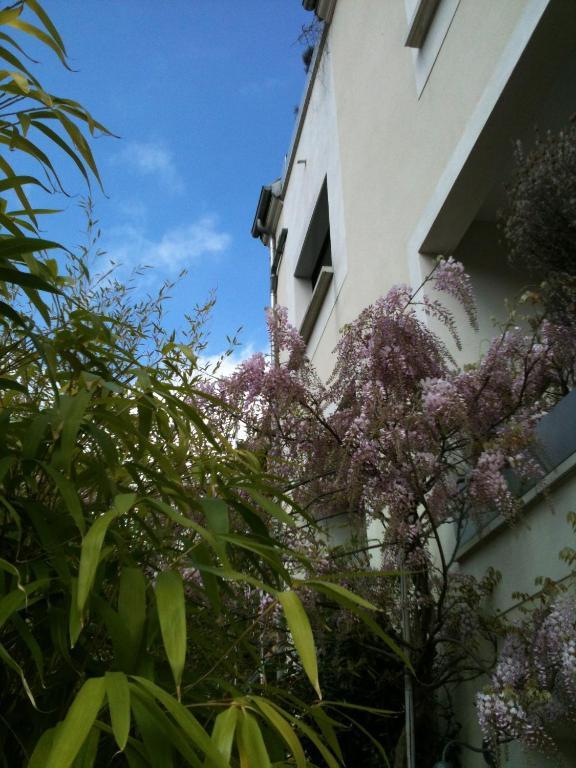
x=262 y=230
x=408 y=686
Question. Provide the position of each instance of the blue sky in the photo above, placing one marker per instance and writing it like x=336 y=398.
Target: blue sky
x=202 y=94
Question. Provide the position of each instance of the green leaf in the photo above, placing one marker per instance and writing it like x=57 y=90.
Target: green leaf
x=273 y=509
x=301 y=632
x=340 y=594
x=223 y=733
x=46 y=21
x=72 y=409
x=132 y=610
x=6 y=383
x=74 y=619
x=186 y=721
x=39 y=757
x=284 y=729
x=89 y=751
x=172 y=616
x=77 y=724
x=118 y=692
x=154 y=731
x=13 y=665
x=67 y=491
x=251 y=741
x=25 y=279
x=216 y=512
x=15 y=246
x=92 y=546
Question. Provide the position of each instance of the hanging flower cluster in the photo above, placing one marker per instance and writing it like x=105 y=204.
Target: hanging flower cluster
x=399 y=433
x=533 y=686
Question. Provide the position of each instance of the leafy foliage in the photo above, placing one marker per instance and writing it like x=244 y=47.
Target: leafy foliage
x=137 y=541
x=401 y=436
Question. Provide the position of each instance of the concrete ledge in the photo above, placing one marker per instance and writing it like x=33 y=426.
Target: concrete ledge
x=320 y=291
x=421 y=22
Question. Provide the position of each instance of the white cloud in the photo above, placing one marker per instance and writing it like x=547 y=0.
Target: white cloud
x=176 y=249
x=228 y=363
x=152 y=158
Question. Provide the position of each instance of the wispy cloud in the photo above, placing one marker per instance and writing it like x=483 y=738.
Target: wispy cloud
x=174 y=250
x=222 y=365
x=152 y=158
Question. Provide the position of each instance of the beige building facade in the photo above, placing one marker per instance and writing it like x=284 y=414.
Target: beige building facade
x=402 y=147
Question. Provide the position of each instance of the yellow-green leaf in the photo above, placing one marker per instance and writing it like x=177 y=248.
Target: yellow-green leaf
x=223 y=732
x=92 y=546
x=284 y=729
x=77 y=724
x=132 y=608
x=172 y=615
x=216 y=512
x=118 y=693
x=340 y=594
x=301 y=632
x=251 y=742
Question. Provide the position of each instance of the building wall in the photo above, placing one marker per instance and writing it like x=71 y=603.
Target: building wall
x=382 y=146
x=415 y=147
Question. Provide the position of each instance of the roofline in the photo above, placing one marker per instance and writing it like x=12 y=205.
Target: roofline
x=261 y=211
x=305 y=103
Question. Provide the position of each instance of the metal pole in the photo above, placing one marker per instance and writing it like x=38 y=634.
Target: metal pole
x=408 y=688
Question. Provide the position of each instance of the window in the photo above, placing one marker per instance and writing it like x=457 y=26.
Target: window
x=420 y=23
x=315 y=263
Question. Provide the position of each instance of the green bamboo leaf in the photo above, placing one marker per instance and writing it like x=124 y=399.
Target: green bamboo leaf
x=118 y=692
x=17 y=181
x=34 y=31
x=132 y=610
x=15 y=246
x=77 y=724
x=5 y=465
x=216 y=512
x=9 y=14
x=92 y=546
x=31 y=643
x=21 y=81
x=14 y=60
x=311 y=734
x=63 y=145
x=28 y=210
x=7 y=311
x=172 y=615
x=223 y=733
x=186 y=720
x=13 y=665
x=301 y=632
x=327 y=726
x=25 y=279
x=17 y=141
x=74 y=618
x=67 y=491
x=18 y=598
x=46 y=21
x=251 y=741
x=4 y=564
x=71 y=411
x=284 y=729
x=273 y=509
x=154 y=729
x=6 y=383
x=89 y=750
x=340 y=594
x=42 y=750
x=384 y=636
